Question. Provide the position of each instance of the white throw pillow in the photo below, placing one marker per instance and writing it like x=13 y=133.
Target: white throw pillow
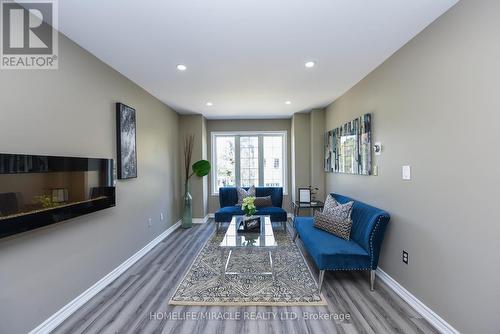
x=242 y=193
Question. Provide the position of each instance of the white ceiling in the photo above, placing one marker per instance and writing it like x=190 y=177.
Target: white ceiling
x=246 y=56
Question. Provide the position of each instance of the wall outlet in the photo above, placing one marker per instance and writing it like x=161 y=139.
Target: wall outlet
x=161 y=215
x=150 y=222
x=404 y=257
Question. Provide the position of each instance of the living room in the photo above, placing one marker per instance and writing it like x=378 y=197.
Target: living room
x=275 y=167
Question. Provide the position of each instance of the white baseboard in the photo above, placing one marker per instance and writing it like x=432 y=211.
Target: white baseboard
x=211 y=215
x=201 y=220
x=439 y=323
x=57 y=318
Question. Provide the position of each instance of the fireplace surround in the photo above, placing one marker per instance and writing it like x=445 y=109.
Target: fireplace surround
x=37 y=190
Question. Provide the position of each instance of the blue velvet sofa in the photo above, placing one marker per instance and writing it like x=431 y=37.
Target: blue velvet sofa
x=361 y=252
x=228 y=199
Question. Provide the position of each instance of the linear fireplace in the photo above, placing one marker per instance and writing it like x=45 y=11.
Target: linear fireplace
x=36 y=190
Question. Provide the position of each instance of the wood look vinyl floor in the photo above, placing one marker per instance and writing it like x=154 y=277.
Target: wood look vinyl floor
x=137 y=302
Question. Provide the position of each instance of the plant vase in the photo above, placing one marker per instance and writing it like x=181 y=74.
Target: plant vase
x=187 y=213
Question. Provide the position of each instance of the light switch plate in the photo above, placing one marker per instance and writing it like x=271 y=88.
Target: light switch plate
x=406 y=173
x=375 y=170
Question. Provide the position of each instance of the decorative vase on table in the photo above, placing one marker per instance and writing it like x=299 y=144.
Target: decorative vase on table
x=200 y=168
x=187 y=214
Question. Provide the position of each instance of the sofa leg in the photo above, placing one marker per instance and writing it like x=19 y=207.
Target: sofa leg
x=295 y=236
x=372 y=280
x=321 y=277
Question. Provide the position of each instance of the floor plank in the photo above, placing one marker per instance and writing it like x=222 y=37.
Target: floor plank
x=126 y=305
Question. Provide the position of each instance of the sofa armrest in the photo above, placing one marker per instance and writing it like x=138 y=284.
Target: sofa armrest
x=376 y=238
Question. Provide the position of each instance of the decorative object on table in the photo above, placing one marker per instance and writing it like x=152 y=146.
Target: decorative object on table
x=248 y=206
x=126 y=141
x=348 y=147
x=314 y=192
x=246 y=282
x=336 y=221
x=305 y=195
x=200 y=168
x=242 y=193
x=249 y=225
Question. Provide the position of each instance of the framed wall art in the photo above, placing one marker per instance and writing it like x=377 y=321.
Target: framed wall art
x=126 y=141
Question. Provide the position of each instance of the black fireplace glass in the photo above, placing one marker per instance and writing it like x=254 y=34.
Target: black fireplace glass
x=40 y=190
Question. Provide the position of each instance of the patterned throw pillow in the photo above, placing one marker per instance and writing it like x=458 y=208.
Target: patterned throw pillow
x=338 y=221
x=330 y=204
x=263 y=202
x=242 y=193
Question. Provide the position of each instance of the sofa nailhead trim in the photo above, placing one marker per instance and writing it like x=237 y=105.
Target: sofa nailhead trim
x=371 y=240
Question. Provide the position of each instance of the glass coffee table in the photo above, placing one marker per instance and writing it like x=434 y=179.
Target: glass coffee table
x=248 y=241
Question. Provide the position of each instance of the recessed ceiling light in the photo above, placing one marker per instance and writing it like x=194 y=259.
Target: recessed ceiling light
x=209 y=104
x=181 y=67
x=288 y=102
x=310 y=64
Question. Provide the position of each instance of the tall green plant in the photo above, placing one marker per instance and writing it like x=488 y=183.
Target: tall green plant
x=199 y=168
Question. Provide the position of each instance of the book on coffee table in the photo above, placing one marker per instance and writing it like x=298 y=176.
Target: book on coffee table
x=249 y=225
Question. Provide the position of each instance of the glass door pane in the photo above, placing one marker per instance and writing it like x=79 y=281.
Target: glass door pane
x=273 y=161
x=249 y=161
x=226 y=162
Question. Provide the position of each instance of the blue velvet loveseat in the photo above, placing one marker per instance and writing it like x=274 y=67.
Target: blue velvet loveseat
x=228 y=199
x=361 y=252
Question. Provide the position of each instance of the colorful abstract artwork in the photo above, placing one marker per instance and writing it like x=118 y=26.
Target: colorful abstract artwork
x=348 y=147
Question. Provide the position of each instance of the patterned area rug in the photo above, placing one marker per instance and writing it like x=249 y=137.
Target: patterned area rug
x=293 y=284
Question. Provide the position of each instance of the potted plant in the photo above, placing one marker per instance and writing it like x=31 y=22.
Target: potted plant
x=200 y=168
x=248 y=206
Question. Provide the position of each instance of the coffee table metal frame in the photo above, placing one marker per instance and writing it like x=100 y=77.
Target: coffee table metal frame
x=250 y=241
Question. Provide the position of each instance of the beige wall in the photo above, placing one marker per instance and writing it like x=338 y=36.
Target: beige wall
x=435 y=107
x=248 y=125
x=195 y=125
x=307 y=153
x=204 y=156
x=317 y=129
x=71 y=112
x=301 y=156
